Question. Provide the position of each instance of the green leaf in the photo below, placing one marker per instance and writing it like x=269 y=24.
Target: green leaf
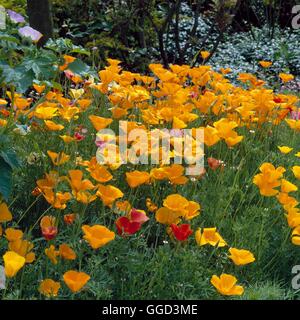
x=10 y=158
x=78 y=67
x=81 y=51
x=5 y=178
x=9 y=38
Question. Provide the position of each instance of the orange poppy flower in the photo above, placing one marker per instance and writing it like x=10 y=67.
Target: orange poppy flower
x=109 y=194
x=70 y=218
x=49 y=288
x=5 y=214
x=58 y=158
x=226 y=285
x=97 y=235
x=52 y=126
x=52 y=254
x=137 y=178
x=75 y=280
x=100 y=123
x=66 y=252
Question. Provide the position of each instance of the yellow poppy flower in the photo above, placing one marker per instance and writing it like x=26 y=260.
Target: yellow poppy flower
x=241 y=257
x=226 y=285
x=209 y=236
x=285 y=149
x=13 y=262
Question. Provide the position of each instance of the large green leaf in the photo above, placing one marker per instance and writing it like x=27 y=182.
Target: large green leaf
x=78 y=67
x=10 y=157
x=5 y=178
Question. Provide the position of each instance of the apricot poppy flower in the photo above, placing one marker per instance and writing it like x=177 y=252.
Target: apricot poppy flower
x=296 y=236
x=175 y=173
x=52 y=126
x=209 y=236
x=97 y=235
x=78 y=183
x=39 y=89
x=268 y=179
x=151 y=206
x=23 y=248
x=48 y=227
x=52 y=254
x=5 y=214
x=293 y=217
x=137 y=178
x=122 y=206
x=49 y=288
x=192 y=209
x=176 y=202
x=265 y=64
x=109 y=194
x=166 y=216
x=67 y=60
x=13 y=262
x=46 y=111
x=296 y=171
x=58 y=200
x=58 y=158
x=287 y=186
x=66 y=252
x=70 y=218
x=205 y=54
x=12 y=234
x=101 y=174
x=100 y=123
x=226 y=285
x=182 y=232
x=241 y=257
x=67 y=139
x=75 y=280
x=286 y=77
x=81 y=186
x=225 y=131
x=211 y=136
x=286 y=201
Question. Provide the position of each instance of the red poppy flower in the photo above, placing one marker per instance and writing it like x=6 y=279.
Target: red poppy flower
x=182 y=232
x=124 y=225
x=78 y=136
x=277 y=100
x=214 y=164
x=49 y=233
x=138 y=216
x=69 y=218
x=132 y=223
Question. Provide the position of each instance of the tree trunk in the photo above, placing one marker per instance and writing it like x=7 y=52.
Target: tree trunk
x=40 y=18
